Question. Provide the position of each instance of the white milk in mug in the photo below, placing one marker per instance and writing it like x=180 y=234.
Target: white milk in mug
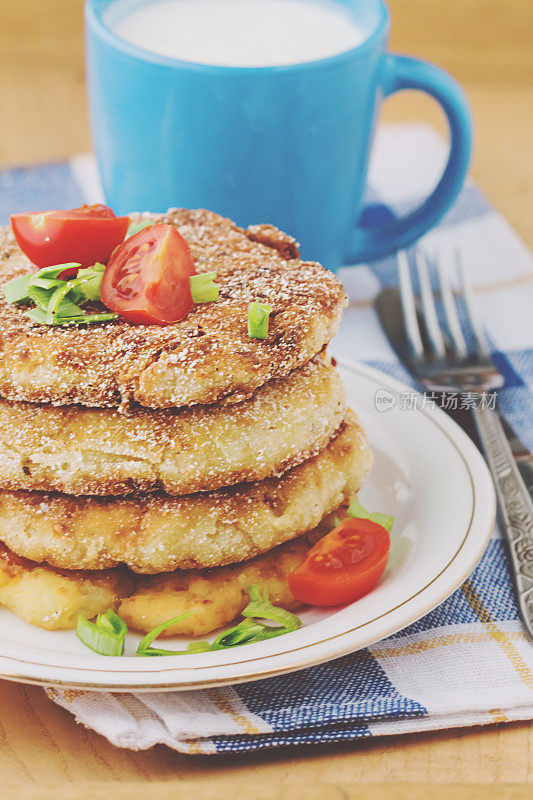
x=243 y=33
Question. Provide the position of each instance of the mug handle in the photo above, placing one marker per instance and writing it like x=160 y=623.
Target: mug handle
x=402 y=72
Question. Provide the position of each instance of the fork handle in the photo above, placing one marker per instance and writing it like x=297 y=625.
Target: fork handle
x=516 y=507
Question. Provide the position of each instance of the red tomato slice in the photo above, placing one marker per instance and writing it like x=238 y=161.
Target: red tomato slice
x=343 y=566
x=87 y=234
x=146 y=280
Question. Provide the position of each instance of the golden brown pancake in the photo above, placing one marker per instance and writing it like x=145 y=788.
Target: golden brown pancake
x=79 y=450
x=159 y=533
x=206 y=357
x=52 y=598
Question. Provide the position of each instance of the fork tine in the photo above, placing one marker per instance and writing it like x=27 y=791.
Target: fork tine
x=428 y=306
x=450 y=310
x=483 y=348
x=408 y=305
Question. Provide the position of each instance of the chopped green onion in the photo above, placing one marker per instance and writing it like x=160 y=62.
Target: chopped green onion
x=156 y=651
x=145 y=648
x=44 y=283
x=16 y=290
x=193 y=647
x=89 y=281
x=355 y=509
x=260 y=607
x=203 y=287
x=105 y=636
x=243 y=633
x=41 y=297
x=249 y=631
x=135 y=227
x=67 y=309
x=258 y=314
x=25 y=286
x=106 y=622
x=87 y=273
x=86 y=319
x=43 y=318
x=198 y=647
x=56 y=270
x=38 y=315
x=90 y=288
x=56 y=299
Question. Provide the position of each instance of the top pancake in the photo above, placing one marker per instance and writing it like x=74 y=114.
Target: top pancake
x=205 y=358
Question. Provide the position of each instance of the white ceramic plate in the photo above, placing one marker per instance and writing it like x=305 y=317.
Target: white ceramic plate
x=427 y=473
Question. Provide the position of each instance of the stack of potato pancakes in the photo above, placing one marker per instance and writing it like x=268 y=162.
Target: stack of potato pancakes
x=161 y=469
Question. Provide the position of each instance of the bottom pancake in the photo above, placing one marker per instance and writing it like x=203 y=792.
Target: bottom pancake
x=52 y=598
x=157 y=533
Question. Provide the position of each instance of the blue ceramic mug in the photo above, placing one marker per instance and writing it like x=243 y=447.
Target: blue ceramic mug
x=287 y=145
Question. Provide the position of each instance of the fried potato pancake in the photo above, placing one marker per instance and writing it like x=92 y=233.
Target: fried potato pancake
x=155 y=533
x=52 y=598
x=84 y=451
x=206 y=357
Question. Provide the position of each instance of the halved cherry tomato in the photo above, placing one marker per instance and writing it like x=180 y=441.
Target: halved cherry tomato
x=86 y=235
x=342 y=566
x=146 y=280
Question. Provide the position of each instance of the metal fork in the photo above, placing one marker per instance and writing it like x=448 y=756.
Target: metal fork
x=438 y=356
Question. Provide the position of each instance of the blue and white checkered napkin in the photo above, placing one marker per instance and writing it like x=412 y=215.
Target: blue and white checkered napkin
x=467 y=662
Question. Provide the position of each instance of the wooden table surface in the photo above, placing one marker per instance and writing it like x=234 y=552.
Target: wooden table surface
x=486 y=44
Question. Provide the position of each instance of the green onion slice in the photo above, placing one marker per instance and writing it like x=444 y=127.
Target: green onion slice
x=55 y=271
x=43 y=318
x=38 y=315
x=66 y=310
x=249 y=631
x=41 y=297
x=203 y=287
x=44 y=283
x=258 y=314
x=243 y=633
x=56 y=300
x=59 y=295
x=19 y=289
x=194 y=647
x=87 y=319
x=89 y=281
x=355 y=509
x=260 y=607
x=198 y=647
x=16 y=290
x=106 y=636
x=135 y=227
x=145 y=649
